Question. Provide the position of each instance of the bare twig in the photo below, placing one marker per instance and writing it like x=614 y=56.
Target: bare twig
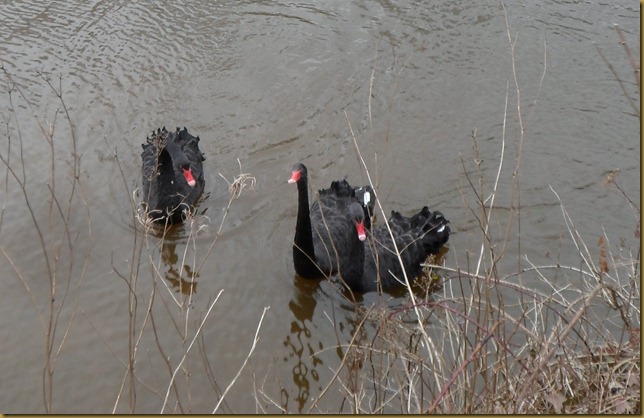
x=250 y=353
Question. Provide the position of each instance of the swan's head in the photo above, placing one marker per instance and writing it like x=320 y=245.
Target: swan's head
x=357 y=216
x=298 y=173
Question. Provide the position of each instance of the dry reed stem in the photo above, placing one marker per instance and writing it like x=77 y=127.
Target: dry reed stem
x=337 y=372
x=250 y=353
x=185 y=354
x=406 y=283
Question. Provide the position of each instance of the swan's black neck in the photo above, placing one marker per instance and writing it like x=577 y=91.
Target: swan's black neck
x=303 y=250
x=353 y=272
x=175 y=153
x=167 y=178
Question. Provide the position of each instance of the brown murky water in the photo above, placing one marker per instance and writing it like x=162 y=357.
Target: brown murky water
x=267 y=84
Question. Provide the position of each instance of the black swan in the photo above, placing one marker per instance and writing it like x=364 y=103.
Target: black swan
x=416 y=237
x=323 y=231
x=173 y=177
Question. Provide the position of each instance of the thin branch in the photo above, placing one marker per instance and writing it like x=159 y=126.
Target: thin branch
x=252 y=349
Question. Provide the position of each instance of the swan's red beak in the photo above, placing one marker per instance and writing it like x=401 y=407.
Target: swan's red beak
x=295 y=176
x=362 y=235
x=187 y=173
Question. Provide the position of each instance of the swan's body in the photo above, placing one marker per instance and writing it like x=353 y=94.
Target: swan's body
x=173 y=177
x=323 y=232
x=416 y=237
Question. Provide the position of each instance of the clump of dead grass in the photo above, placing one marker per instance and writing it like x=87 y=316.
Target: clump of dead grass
x=239 y=183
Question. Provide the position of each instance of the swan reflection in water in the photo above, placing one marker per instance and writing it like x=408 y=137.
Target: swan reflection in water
x=306 y=349
x=183 y=279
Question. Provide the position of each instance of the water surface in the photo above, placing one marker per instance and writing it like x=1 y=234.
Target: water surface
x=265 y=85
